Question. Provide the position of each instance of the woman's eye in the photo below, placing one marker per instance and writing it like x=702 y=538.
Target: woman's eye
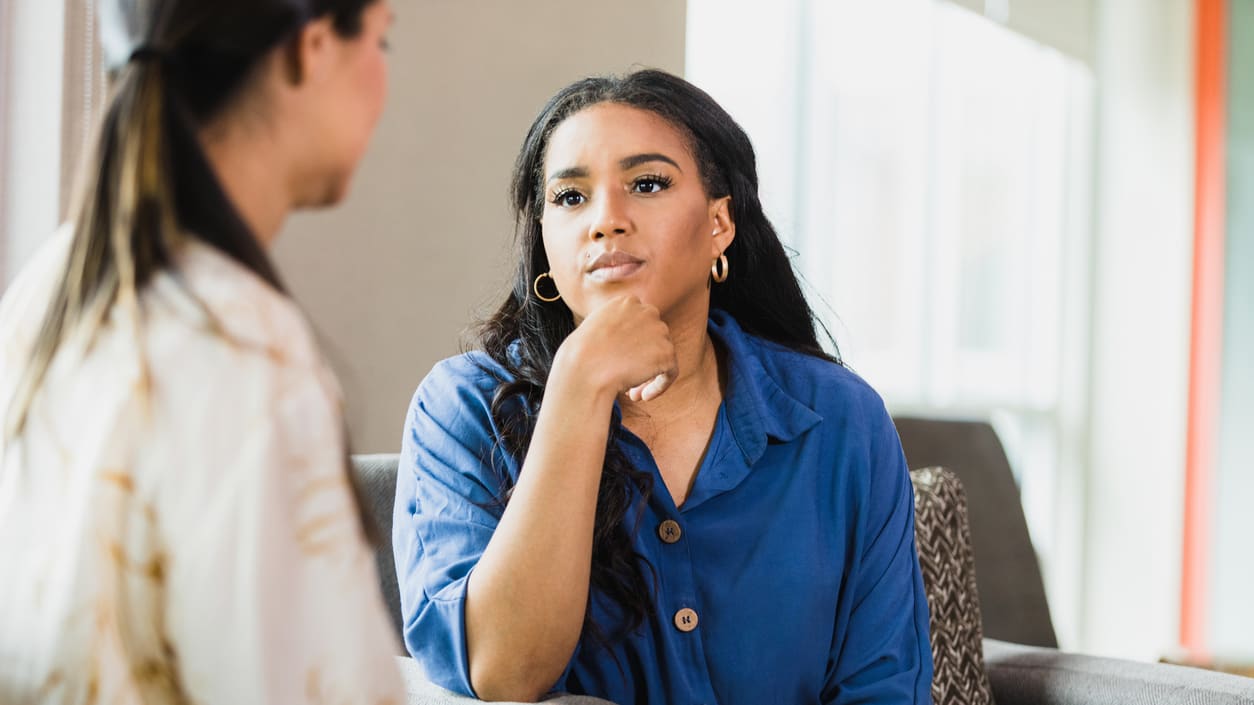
x=384 y=44
x=652 y=184
x=568 y=198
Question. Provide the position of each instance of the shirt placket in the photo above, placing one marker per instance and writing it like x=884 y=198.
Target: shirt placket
x=678 y=607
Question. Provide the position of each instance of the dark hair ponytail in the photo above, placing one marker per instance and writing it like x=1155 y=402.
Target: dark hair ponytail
x=123 y=219
x=175 y=65
x=763 y=295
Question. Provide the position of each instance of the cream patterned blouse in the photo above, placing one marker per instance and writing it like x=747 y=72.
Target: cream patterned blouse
x=188 y=536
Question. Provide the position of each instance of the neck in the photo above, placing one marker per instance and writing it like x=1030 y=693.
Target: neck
x=244 y=161
x=698 y=378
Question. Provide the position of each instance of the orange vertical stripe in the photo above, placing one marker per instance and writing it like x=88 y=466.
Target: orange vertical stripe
x=1206 y=336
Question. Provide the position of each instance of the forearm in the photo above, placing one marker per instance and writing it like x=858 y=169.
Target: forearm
x=528 y=593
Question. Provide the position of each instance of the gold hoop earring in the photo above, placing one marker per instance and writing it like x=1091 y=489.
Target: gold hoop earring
x=719 y=269
x=535 y=287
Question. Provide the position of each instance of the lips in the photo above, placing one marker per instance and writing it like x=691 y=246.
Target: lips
x=613 y=266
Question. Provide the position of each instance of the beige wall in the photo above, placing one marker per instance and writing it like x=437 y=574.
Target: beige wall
x=393 y=277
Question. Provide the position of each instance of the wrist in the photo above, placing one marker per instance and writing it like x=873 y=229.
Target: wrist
x=570 y=377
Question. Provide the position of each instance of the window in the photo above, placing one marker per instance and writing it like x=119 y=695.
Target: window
x=932 y=169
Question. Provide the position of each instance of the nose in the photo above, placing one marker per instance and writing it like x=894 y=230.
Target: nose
x=610 y=218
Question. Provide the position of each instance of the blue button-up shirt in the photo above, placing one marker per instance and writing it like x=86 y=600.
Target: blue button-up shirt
x=795 y=551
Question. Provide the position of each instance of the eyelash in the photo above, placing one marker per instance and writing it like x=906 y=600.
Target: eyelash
x=664 y=182
x=557 y=197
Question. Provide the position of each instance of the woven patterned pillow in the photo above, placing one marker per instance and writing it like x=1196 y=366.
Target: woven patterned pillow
x=944 y=545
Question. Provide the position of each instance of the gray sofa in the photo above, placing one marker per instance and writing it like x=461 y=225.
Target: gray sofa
x=1021 y=664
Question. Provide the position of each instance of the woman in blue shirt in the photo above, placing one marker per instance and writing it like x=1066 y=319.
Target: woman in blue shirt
x=651 y=484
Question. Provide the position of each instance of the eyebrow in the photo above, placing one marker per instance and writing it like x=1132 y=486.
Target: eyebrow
x=574 y=172
x=638 y=159
x=578 y=172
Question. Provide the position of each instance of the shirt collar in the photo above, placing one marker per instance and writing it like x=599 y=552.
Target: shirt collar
x=757 y=408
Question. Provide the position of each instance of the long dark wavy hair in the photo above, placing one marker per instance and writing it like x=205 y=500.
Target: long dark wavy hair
x=762 y=294
x=175 y=65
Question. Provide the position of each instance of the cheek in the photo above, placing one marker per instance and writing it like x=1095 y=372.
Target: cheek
x=562 y=249
x=372 y=86
x=366 y=94
x=379 y=85
x=687 y=246
x=562 y=256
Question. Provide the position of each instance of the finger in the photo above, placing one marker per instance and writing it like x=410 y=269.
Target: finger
x=655 y=388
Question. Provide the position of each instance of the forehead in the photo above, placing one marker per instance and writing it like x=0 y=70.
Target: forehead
x=383 y=10
x=607 y=132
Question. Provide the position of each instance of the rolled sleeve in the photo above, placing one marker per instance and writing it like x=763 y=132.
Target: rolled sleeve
x=447 y=508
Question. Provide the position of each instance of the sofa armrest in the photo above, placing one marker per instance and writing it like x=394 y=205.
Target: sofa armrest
x=421 y=692
x=1029 y=675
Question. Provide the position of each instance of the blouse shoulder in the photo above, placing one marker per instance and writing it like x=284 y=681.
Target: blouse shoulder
x=216 y=333
x=825 y=386
x=460 y=388
x=24 y=301
x=239 y=306
x=212 y=315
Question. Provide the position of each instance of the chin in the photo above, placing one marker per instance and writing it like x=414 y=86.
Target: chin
x=609 y=292
x=330 y=193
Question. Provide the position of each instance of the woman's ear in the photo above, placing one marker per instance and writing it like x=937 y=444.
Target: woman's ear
x=310 y=52
x=724 y=228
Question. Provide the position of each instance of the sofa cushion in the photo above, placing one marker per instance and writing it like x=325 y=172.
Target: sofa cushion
x=944 y=545
x=1027 y=675
x=375 y=479
x=1014 y=607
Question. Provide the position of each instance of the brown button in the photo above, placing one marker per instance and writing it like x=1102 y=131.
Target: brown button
x=686 y=619
x=669 y=531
